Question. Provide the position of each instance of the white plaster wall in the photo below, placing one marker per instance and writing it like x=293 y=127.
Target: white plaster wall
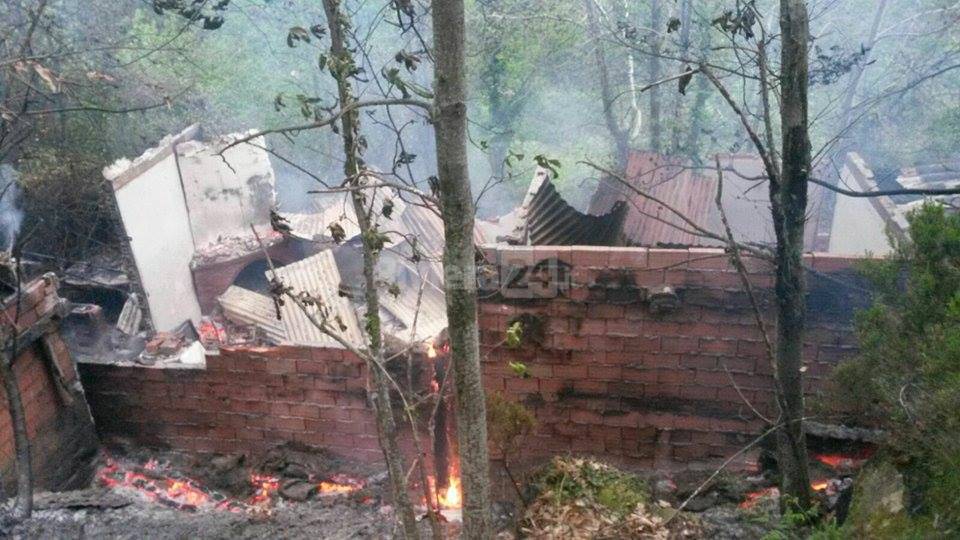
x=155 y=218
x=224 y=198
x=857 y=227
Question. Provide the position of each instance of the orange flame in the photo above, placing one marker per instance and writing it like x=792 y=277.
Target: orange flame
x=340 y=483
x=820 y=485
x=266 y=486
x=755 y=497
x=452 y=496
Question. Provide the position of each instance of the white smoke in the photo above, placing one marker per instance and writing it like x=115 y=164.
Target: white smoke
x=11 y=215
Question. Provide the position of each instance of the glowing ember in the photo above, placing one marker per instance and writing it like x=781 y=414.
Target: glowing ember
x=845 y=461
x=266 y=486
x=431 y=350
x=176 y=492
x=755 y=497
x=339 y=483
x=820 y=485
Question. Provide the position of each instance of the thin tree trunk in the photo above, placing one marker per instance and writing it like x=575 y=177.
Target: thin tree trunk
x=851 y=94
x=24 y=503
x=656 y=125
x=680 y=99
x=620 y=136
x=698 y=110
x=350 y=129
x=789 y=204
x=458 y=264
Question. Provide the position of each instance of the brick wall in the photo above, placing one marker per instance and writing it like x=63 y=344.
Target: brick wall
x=610 y=377
x=63 y=442
x=245 y=400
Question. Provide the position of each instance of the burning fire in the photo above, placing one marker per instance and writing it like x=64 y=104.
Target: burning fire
x=266 y=486
x=820 y=485
x=845 y=461
x=756 y=496
x=431 y=350
x=339 y=483
x=169 y=489
x=452 y=496
x=176 y=492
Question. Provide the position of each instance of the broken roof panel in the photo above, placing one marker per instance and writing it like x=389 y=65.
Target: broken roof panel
x=247 y=307
x=544 y=218
x=649 y=223
x=692 y=191
x=319 y=277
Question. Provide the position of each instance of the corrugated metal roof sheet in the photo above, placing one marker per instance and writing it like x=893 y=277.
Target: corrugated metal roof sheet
x=544 y=218
x=649 y=223
x=247 y=307
x=319 y=277
x=692 y=192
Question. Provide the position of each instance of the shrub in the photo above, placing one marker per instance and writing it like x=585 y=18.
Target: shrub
x=906 y=378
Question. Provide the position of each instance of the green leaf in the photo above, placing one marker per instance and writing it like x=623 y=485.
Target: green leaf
x=514 y=335
x=519 y=369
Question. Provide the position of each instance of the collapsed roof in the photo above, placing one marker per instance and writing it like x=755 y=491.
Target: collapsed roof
x=412 y=306
x=182 y=199
x=863 y=224
x=670 y=182
x=544 y=218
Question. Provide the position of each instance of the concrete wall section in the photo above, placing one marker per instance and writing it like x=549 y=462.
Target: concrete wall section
x=858 y=226
x=156 y=221
x=225 y=194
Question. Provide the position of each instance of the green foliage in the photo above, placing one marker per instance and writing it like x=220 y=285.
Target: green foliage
x=508 y=422
x=907 y=376
x=571 y=479
x=514 y=334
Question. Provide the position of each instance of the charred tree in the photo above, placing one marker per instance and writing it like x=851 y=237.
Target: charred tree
x=342 y=67
x=458 y=263
x=788 y=197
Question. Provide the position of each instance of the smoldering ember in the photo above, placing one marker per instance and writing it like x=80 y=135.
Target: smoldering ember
x=498 y=269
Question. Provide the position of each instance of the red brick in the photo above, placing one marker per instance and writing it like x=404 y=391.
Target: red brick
x=518 y=384
x=639 y=375
x=569 y=342
x=622 y=328
x=604 y=373
x=585 y=417
x=570 y=372
x=591 y=327
x=604 y=343
x=718 y=346
x=698 y=361
x=605 y=311
x=679 y=344
x=589 y=256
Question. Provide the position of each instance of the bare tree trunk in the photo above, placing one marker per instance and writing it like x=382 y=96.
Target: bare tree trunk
x=620 y=136
x=458 y=264
x=24 y=504
x=656 y=124
x=350 y=129
x=698 y=110
x=789 y=204
x=678 y=127
x=851 y=94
